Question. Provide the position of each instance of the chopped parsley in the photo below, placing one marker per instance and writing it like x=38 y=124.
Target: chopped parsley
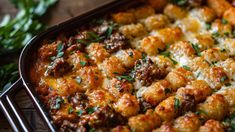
x=208 y=26
x=70 y=110
x=201 y=112
x=91 y=110
x=223 y=79
x=126 y=77
x=83 y=63
x=197 y=49
x=179 y=2
x=167 y=90
x=130 y=54
x=59 y=50
x=80 y=112
x=78 y=79
x=177 y=103
x=167 y=54
x=58 y=102
x=186 y=67
x=224 y=21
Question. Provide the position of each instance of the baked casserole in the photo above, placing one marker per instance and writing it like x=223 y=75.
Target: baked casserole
x=163 y=66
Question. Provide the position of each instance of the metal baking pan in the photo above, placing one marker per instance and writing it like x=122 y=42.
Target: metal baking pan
x=7 y=102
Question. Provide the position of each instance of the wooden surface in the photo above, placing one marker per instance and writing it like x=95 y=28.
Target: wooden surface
x=62 y=11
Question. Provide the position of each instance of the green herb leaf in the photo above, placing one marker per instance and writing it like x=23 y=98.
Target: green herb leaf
x=165 y=53
x=227 y=84
x=83 y=63
x=58 y=102
x=186 y=67
x=78 y=80
x=91 y=110
x=80 y=112
x=70 y=110
x=126 y=77
x=177 y=103
x=197 y=49
x=223 y=79
x=224 y=21
x=208 y=26
x=179 y=2
x=167 y=90
x=130 y=54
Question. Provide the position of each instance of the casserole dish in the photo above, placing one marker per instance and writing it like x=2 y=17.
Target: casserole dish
x=138 y=69
x=7 y=103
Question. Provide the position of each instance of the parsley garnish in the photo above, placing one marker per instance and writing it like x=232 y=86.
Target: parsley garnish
x=197 y=49
x=83 y=63
x=126 y=77
x=208 y=26
x=78 y=79
x=201 y=112
x=130 y=54
x=91 y=110
x=224 y=21
x=167 y=54
x=177 y=103
x=167 y=90
x=70 y=110
x=179 y=2
x=80 y=112
x=186 y=67
x=59 y=50
x=58 y=102
x=222 y=79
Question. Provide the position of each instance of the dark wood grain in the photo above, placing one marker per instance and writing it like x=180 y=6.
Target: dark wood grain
x=62 y=11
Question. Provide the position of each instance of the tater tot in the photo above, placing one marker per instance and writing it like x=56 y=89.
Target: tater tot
x=111 y=66
x=151 y=45
x=143 y=12
x=97 y=52
x=127 y=105
x=219 y=6
x=198 y=88
x=124 y=18
x=221 y=28
x=175 y=12
x=121 y=129
x=170 y=35
x=215 y=107
x=156 y=22
x=158 y=4
x=214 y=55
x=189 y=122
x=166 y=109
x=144 y=122
x=229 y=15
x=211 y=126
x=156 y=92
x=129 y=56
x=133 y=30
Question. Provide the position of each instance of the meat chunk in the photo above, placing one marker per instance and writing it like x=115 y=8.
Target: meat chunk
x=47 y=51
x=116 y=42
x=146 y=71
x=58 y=68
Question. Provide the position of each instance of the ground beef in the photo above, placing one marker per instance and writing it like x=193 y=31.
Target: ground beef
x=58 y=67
x=146 y=71
x=144 y=106
x=187 y=103
x=116 y=42
x=105 y=117
x=79 y=100
x=68 y=126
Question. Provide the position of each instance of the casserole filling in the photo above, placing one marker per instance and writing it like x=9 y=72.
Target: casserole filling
x=143 y=69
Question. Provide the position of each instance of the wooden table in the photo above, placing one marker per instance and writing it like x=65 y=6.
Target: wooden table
x=62 y=11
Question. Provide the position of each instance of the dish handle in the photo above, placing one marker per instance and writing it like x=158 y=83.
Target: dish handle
x=11 y=110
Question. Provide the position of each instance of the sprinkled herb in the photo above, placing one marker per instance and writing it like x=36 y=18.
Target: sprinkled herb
x=227 y=84
x=130 y=54
x=223 y=79
x=201 y=112
x=215 y=34
x=108 y=32
x=197 y=49
x=83 y=63
x=59 y=50
x=87 y=56
x=70 y=110
x=208 y=26
x=177 y=103
x=91 y=110
x=58 y=102
x=167 y=54
x=78 y=79
x=223 y=50
x=143 y=55
x=186 y=67
x=233 y=34
x=83 y=42
x=179 y=2
x=80 y=112
x=199 y=73
x=167 y=90
x=92 y=130
x=214 y=62
x=226 y=33
x=224 y=21
x=126 y=77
